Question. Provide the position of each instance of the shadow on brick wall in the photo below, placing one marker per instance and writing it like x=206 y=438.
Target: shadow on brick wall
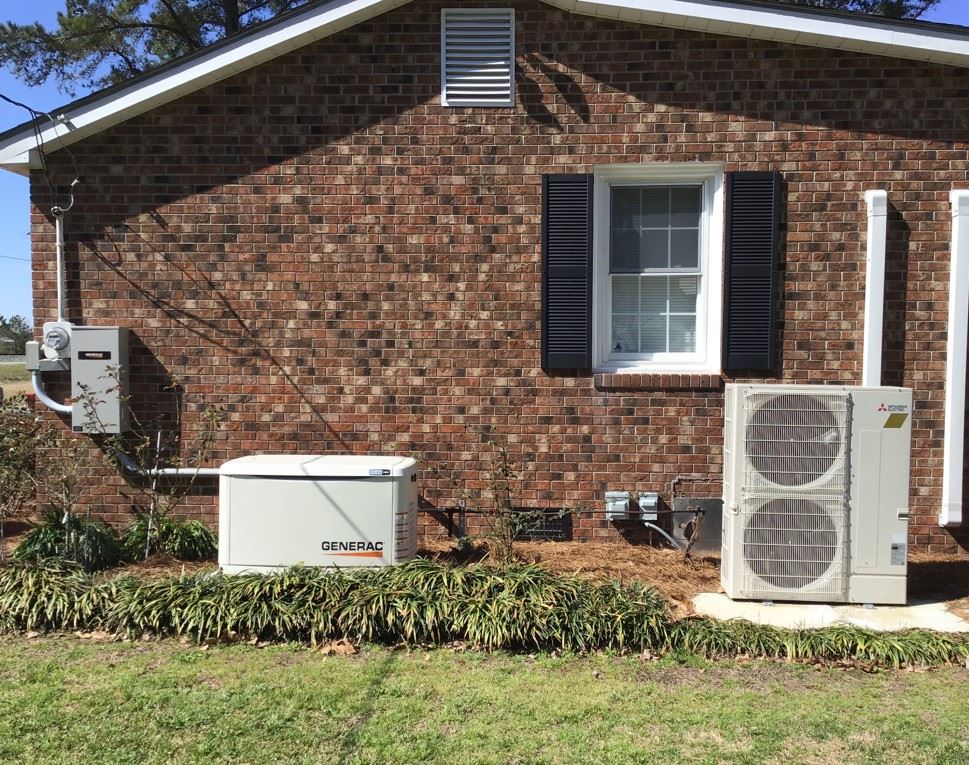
x=897 y=286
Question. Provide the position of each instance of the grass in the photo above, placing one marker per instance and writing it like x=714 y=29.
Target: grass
x=13 y=373
x=69 y=701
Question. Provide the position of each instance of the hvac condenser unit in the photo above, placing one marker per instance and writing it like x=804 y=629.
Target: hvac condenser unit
x=277 y=511
x=816 y=482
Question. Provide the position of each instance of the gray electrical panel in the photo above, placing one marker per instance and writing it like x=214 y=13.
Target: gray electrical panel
x=99 y=379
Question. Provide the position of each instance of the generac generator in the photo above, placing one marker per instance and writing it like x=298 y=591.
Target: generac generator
x=281 y=510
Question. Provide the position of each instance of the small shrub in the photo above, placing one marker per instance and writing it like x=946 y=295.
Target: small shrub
x=185 y=540
x=91 y=544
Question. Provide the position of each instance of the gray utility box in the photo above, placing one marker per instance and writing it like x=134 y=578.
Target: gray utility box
x=99 y=379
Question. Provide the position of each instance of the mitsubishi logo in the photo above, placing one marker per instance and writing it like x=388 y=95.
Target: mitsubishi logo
x=883 y=408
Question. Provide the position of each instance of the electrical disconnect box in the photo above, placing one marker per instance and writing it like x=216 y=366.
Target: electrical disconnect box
x=99 y=379
x=97 y=358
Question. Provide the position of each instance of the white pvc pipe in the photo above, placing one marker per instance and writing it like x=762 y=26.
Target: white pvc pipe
x=132 y=467
x=954 y=442
x=59 y=233
x=877 y=202
x=44 y=398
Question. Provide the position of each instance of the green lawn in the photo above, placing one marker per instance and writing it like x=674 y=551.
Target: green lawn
x=13 y=373
x=69 y=701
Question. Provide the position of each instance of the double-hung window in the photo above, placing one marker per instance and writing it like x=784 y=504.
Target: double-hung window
x=658 y=268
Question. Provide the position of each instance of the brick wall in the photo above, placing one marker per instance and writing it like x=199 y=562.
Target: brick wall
x=346 y=266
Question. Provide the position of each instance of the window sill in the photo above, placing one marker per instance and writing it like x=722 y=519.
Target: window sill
x=656 y=381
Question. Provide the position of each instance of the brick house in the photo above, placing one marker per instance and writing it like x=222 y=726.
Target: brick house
x=420 y=227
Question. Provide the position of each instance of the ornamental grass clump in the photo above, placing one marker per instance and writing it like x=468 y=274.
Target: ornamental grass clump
x=48 y=595
x=521 y=607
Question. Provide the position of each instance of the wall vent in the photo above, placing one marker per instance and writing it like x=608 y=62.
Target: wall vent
x=477 y=57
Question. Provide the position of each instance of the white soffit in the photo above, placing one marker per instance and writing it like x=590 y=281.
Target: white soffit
x=90 y=115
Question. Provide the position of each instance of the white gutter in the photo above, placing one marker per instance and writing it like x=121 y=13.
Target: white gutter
x=950 y=515
x=877 y=203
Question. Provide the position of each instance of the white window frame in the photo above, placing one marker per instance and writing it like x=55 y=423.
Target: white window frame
x=706 y=358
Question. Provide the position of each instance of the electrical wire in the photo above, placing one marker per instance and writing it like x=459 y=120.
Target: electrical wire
x=36 y=123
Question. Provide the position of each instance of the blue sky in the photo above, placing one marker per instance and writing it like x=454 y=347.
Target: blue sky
x=15 y=295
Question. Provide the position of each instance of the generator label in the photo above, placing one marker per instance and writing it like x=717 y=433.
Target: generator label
x=898 y=554
x=94 y=355
x=354 y=549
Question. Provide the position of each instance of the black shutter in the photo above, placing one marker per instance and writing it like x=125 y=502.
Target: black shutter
x=752 y=251
x=566 y=272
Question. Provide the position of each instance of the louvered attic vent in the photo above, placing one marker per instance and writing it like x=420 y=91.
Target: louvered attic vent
x=477 y=57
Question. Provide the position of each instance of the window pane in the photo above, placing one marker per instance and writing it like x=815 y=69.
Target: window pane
x=657 y=246
x=657 y=203
x=682 y=334
x=653 y=337
x=624 y=252
x=625 y=294
x=685 y=248
x=626 y=208
x=624 y=334
x=683 y=291
x=685 y=205
x=654 y=294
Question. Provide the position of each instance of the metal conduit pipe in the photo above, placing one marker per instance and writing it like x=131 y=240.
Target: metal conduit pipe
x=59 y=229
x=44 y=398
x=670 y=539
x=130 y=466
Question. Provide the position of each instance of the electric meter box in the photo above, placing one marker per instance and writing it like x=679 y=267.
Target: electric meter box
x=99 y=379
x=282 y=510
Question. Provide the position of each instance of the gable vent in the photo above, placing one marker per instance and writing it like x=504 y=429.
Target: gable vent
x=477 y=57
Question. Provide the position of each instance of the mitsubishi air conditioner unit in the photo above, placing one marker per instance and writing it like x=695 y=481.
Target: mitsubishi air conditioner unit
x=815 y=492
x=283 y=510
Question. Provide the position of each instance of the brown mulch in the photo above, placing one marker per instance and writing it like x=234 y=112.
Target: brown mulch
x=677 y=579
x=931 y=577
x=162 y=565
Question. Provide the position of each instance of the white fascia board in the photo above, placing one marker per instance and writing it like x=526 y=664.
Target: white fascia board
x=788 y=24
x=250 y=50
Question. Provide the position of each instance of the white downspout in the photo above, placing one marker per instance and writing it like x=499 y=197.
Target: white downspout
x=950 y=515
x=877 y=203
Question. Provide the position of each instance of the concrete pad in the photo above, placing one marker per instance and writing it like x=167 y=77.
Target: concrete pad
x=927 y=616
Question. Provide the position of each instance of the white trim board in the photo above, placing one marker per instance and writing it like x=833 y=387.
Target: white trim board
x=907 y=40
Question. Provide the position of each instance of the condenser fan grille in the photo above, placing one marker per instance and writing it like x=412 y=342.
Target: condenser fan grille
x=795 y=545
x=795 y=440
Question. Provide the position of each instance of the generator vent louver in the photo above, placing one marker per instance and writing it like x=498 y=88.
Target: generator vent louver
x=477 y=57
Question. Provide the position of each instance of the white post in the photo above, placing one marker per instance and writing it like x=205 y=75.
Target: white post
x=950 y=515
x=877 y=203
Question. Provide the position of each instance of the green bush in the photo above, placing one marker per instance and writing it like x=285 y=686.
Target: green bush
x=185 y=540
x=422 y=602
x=91 y=544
